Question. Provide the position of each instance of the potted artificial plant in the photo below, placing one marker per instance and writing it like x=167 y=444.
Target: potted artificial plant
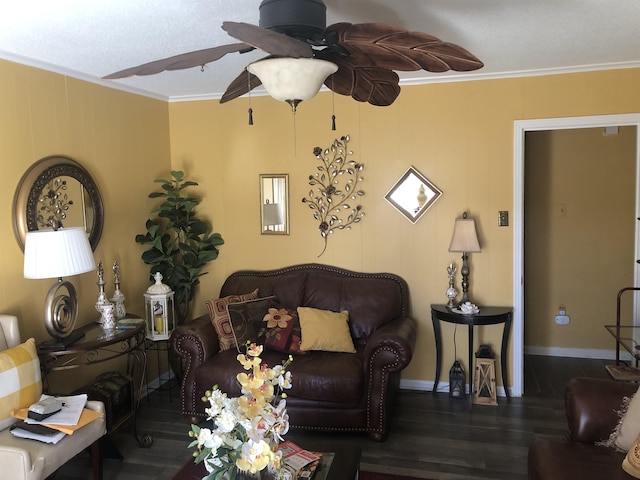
x=180 y=244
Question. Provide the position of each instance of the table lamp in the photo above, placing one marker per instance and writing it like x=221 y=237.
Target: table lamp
x=56 y=254
x=465 y=240
x=271 y=215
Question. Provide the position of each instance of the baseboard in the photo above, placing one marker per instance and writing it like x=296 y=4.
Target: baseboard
x=443 y=387
x=156 y=383
x=577 y=353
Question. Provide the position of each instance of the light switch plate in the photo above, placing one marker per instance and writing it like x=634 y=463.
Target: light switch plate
x=503 y=218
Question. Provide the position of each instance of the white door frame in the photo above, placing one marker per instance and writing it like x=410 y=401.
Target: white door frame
x=520 y=128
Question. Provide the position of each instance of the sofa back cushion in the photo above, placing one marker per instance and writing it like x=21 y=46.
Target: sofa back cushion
x=372 y=299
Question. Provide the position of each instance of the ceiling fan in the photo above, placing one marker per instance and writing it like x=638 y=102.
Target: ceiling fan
x=362 y=57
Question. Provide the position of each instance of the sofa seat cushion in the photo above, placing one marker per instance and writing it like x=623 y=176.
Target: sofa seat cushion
x=565 y=460
x=325 y=377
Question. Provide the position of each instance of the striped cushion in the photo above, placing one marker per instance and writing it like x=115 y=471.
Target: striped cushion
x=20 y=380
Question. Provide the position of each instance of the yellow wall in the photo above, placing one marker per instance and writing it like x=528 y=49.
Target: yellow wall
x=459 y=135
x=120 y=138
x=580 y=233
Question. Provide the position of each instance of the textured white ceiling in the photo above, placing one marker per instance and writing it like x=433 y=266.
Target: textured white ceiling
x=92 y=38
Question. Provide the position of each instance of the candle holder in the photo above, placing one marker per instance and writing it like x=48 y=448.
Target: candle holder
x=118 y=297
x=452 y=293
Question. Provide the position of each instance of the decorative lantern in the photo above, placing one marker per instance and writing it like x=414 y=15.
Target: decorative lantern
x=484 y=391
x=457 y=381
x=159 y=310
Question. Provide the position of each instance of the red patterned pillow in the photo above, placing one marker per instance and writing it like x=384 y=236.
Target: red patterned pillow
x=220 y=318
x=283 y=331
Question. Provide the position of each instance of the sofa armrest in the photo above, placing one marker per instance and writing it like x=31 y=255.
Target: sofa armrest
x=592 y=404
x=398 y=339
x=386 y=353
x=195 y=341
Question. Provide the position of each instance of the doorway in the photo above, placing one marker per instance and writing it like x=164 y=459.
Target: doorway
x=520 y=130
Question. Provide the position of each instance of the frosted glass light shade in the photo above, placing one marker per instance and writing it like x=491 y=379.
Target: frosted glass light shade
x=465 y=238
x=57 y=253
x=292 y=79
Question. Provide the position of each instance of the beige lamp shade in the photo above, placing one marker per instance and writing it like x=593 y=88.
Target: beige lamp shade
x=465 y=238
x=292 y=79
x=57 y=253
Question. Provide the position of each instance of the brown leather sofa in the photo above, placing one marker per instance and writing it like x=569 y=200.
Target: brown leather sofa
x=591 y=407
x=331 y=391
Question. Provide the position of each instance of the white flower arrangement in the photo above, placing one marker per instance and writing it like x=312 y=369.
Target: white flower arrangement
x=247 y=429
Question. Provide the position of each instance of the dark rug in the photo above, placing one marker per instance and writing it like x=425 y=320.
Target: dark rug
x=383 y=476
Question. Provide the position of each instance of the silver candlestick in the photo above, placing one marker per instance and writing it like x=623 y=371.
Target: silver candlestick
x=452 y=293
x=102 y=296
x=118 y=297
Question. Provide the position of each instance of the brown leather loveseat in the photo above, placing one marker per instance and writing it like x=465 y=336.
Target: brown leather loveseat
x=591 y=407
x=332 y=391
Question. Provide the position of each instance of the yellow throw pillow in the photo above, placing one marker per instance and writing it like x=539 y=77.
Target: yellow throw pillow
x=325 y=330
x=631 y=462
x=20 y=380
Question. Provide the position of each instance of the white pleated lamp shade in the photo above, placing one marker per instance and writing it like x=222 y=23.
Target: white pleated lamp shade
x=57 y=253
x=291 y=79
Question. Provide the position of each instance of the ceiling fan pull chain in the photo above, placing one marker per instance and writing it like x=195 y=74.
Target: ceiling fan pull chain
x=333 y=107
x=250 y=109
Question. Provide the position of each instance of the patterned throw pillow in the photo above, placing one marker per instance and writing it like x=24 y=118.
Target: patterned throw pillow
x=246 y=320
x=220 y=318
x=20 y=380
x=283 y=331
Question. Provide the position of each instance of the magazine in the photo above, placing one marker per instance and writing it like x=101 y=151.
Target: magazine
x=299 y=462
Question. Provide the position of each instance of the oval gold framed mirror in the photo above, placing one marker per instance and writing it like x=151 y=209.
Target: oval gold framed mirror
x=57 y=191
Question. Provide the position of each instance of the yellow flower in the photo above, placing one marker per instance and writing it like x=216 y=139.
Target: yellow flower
x=277 y=318
x=248 y=363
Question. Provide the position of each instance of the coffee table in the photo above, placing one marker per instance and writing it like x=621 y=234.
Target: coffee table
x=345 y=465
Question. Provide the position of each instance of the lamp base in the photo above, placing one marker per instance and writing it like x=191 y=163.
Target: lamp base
x=61 y=343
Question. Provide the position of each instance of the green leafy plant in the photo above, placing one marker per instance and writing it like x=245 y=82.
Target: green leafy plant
x=181 y=245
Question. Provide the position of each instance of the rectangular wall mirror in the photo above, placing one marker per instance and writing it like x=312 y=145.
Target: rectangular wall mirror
x=274 y=204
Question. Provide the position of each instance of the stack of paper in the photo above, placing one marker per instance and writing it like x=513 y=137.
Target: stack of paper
x=70 y=418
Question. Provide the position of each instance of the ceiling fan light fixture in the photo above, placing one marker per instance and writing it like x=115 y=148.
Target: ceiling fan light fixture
x=292 y=80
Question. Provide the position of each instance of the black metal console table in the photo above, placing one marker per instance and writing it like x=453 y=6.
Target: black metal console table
x=486 y=316
x=94 y=347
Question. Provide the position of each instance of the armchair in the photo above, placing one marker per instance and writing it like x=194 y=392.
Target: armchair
x=32 y=460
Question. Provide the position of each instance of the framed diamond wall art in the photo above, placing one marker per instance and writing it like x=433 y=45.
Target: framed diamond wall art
x=413 y=194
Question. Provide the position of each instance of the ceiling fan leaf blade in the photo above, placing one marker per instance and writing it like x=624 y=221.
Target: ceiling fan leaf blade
x=391 y=47
x=458 y=58
x=377 y=86
x=240 y=85
x=182 y=61
x=268 y=41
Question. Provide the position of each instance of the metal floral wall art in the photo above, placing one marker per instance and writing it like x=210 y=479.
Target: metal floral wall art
x=336 y=189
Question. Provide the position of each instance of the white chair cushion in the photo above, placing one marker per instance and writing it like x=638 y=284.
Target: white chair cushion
x=33 y=460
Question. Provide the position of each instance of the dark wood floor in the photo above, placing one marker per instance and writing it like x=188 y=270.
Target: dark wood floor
x=432 y=436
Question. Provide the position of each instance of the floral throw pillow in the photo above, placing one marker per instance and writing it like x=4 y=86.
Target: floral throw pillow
x=282 y=331
x=220 y=318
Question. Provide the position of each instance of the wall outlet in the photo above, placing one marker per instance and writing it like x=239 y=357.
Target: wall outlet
x=562 y=318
